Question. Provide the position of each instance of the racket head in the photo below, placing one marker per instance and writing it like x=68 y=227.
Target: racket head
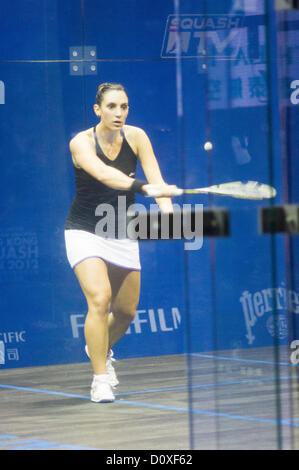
x=238 y=190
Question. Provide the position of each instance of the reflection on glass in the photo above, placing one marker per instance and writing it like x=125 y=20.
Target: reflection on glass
x=239 y=288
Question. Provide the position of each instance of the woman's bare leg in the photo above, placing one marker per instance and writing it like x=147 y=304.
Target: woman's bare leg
x=125 y=286
x=92 y=274
x=105 y=285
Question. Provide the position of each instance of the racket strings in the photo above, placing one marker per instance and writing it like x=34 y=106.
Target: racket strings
x=237 y=189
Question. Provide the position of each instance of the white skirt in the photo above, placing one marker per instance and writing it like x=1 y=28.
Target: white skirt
x=81 y=245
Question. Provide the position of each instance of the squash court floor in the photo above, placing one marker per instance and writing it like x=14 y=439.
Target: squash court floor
x=233 y=400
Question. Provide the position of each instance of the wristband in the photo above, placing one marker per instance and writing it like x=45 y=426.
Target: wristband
x=137 y=186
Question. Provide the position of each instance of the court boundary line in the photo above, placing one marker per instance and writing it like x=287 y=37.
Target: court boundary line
x=154 y=390
x=237 y=359
x=289 y=422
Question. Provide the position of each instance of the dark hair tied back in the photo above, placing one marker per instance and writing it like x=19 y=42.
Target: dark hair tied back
x=104 y=87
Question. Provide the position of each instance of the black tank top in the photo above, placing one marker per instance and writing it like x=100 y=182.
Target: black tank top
x=97 y=208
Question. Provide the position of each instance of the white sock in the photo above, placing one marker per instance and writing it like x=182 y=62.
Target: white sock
x=102 y=377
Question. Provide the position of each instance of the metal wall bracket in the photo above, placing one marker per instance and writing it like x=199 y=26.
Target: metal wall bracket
x=83 y=60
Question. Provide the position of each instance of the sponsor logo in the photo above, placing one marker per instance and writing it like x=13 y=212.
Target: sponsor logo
x=256 y=305
x=277 y=326
x=155 y=320
x=192 y=35
x=151 y=320
x=7 y=340
x=9 y=337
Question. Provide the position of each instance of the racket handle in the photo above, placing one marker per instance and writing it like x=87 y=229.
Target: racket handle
x=155 y=193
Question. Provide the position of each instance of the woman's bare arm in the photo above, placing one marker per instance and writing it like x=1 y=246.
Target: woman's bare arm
x=151 y=167
x=85 y=157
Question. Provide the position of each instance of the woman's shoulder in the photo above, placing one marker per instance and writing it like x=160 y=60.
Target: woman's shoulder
x=134 y=133
x=82 y=137
x=133 y=130
x=135 y=137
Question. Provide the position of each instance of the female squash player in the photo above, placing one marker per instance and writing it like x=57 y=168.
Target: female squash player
x=107 y=267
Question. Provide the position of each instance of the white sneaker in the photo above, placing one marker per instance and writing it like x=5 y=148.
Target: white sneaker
x=101 y=391
x=113 y=380
x=110 y=369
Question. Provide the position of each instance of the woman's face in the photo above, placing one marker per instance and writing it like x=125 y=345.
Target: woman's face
x=113 y=110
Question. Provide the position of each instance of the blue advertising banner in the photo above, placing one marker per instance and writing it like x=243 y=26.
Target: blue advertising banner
x=48 y=82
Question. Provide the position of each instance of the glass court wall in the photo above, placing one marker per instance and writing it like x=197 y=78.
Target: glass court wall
x=236 y=124
x=214 y=86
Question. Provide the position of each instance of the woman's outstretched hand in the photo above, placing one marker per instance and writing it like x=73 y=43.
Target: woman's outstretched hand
x=161 y=190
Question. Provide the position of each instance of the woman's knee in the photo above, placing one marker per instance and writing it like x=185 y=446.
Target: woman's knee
x=99 y=301
x=125 y=315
